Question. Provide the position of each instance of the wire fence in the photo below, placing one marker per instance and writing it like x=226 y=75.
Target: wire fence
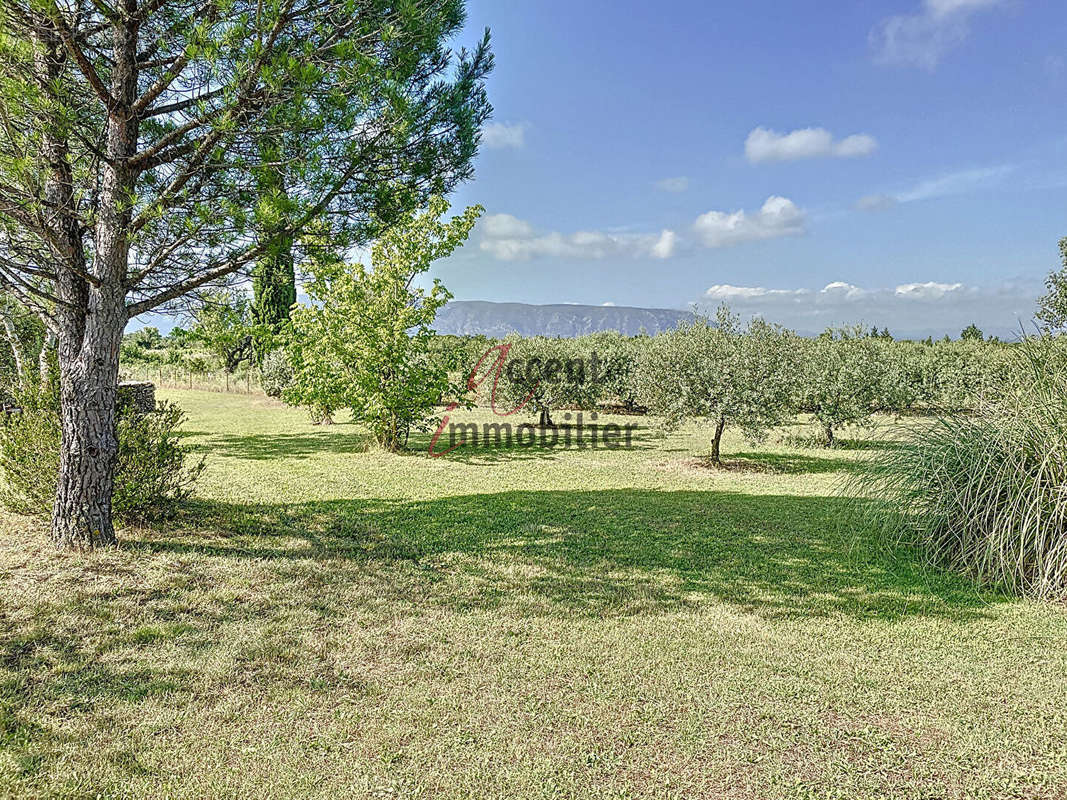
x=244 y=381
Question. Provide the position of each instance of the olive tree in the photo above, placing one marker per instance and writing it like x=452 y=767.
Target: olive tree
x=134 y=137
x=542 y=373
x=843 y=379
x=226 y=327
x=617 y=356
x=722 y=372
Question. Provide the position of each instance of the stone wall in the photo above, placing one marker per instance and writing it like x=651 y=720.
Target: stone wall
x=138 y=395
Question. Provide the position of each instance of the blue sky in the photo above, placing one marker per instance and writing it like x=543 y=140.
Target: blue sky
x=897 y=162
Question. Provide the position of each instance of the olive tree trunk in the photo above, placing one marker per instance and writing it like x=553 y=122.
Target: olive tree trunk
x=716 y=443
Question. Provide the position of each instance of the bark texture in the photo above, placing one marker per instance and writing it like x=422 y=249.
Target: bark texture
x=91 y=323
x=716 y=443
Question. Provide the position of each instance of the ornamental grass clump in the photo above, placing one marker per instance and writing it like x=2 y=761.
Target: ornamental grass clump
x=986 y=493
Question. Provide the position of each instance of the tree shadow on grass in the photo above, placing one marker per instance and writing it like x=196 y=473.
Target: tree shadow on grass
x=269 y=447
x=611 y=552
x=791 y=463
x=868 y=444
x=492 y=446
x=332 y=440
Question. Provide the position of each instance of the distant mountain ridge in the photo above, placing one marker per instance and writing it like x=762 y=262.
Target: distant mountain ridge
x=472 y=317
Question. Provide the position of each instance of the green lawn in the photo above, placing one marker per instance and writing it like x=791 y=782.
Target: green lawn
x=327 y=620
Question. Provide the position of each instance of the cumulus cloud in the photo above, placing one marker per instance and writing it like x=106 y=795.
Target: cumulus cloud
x=665 y=245
x=778 y=216
x=764 y=145
x=506 y=226
x=504 y=135
x=927 y=291
x=675 y=185
x=915 y=310
x=922 y=39
x=511 y=239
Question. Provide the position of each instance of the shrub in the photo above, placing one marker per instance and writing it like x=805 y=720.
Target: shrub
x=276 y=373
x=986 y=493
x=153 y=472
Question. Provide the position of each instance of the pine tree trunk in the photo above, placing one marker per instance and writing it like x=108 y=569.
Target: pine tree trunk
x=81 y=516
x=91 y=322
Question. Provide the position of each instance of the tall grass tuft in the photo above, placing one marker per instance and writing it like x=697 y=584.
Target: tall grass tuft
x=986 y=493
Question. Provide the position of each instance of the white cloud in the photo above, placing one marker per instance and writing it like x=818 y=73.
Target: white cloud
x=501 y=135
x=675 y=185
x=843 y=291
x=956 y=183
x=608 y=304
x=725 y=292
x=919 y=309
x=876 y=202
x=764 y=145
x=951 y=183
x=664 y=246
x=926 y=291
x=508 y=238
x=505 y=226
x=922 y=39
x=778 y=216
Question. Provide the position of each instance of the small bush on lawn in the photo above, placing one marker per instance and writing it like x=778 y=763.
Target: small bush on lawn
x=986 y=494
x=276 y=373
x=154 y=470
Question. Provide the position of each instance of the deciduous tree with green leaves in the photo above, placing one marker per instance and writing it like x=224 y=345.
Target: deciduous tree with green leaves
x=364 y=340
x=133 y=138
x=1052 y=308
x=227 y=327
